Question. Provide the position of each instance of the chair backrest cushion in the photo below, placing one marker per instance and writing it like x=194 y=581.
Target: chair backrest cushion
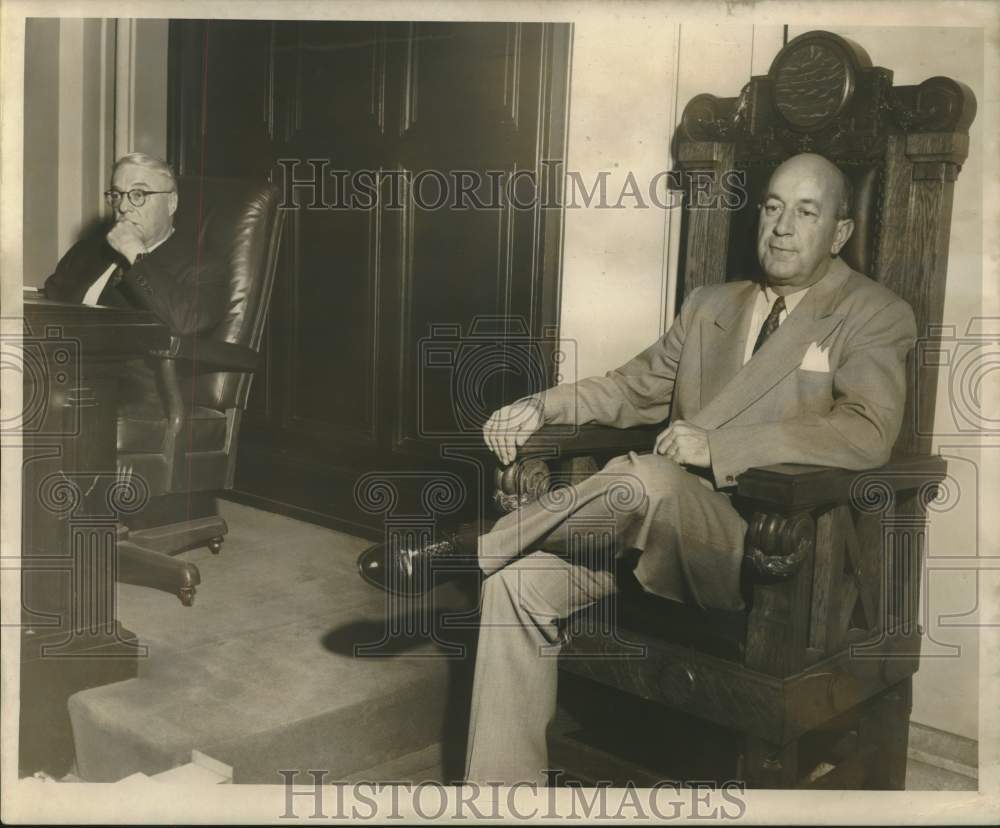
x=240 y=224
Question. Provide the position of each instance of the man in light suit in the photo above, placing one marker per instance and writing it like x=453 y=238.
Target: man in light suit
x=808 y=367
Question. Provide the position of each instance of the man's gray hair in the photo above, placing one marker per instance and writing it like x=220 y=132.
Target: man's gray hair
x=149 y=162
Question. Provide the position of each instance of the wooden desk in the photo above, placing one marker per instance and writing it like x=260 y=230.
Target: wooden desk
x=72 y=499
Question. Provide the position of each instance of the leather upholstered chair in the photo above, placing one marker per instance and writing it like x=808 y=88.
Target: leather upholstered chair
x=181 y=443
x=813 y=680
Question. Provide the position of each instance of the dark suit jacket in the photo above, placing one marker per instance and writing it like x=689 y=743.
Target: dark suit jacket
x=186 y=289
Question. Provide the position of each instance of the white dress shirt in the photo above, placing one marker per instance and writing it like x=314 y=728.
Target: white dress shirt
x=762 y=309
x=95 y=290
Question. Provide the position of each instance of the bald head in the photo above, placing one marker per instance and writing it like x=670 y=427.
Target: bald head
x=804 y=221
x=811 y=164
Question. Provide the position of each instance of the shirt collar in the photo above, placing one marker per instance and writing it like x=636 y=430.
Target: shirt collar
x=791 y=300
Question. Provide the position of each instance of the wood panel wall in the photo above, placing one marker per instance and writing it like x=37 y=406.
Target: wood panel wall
x=396 y=330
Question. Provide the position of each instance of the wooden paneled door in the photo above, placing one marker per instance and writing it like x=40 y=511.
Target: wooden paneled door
x=401 y=319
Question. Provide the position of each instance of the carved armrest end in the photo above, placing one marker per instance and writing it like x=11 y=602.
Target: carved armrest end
x=571 y=452
x=523 y=481
x=778 y=544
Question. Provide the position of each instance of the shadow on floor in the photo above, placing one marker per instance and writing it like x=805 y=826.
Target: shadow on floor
x=445 y=630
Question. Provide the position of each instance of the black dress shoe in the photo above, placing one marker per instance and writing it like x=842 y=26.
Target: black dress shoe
x=406 y=570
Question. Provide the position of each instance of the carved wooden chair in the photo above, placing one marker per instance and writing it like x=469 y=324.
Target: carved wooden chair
x=833 y=557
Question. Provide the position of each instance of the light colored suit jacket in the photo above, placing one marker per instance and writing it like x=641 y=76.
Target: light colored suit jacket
x=827 y=388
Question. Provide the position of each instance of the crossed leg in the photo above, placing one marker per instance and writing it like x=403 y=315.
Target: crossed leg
x=634 y=502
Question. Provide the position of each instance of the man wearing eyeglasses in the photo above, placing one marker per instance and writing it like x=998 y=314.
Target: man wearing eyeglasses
x=141 y=261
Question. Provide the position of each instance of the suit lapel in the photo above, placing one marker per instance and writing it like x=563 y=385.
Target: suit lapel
x=723 y=342
x=812 y=320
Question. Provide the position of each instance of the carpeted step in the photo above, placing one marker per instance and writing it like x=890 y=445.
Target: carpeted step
x=278 y=666
x=421 y=766
x=245 y=705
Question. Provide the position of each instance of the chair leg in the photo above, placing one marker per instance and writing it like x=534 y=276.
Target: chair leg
x=149 y=568
x=172 y=538
x=770 y=765
x=885 y=725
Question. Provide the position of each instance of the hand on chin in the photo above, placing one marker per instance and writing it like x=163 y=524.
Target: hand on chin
x=127 y=238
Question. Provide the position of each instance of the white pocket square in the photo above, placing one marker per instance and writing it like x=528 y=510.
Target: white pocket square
x=817 y=358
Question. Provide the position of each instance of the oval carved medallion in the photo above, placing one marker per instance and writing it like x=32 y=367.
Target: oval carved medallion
x=812 y=84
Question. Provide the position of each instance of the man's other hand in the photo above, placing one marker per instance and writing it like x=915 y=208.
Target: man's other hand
x=126 y=239
x=509 y=428
x=685 y=444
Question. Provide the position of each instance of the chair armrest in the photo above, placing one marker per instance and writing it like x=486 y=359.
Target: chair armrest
x=210 y=354
x=563 y=446
x=780 y=501
x=790 y=487
x=572 y=441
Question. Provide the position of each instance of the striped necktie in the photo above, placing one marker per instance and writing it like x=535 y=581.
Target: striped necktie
x=770 y=324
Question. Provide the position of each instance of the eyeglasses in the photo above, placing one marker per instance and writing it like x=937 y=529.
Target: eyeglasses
x=136 y=197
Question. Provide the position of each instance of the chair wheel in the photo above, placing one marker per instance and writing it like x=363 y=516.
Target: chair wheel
x=186 y=594
x=215 y=545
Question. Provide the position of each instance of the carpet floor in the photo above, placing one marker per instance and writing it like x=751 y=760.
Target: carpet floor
x=287 y=661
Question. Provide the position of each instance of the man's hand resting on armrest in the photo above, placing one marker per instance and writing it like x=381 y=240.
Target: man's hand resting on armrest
x=685 y=444
x=509 y=428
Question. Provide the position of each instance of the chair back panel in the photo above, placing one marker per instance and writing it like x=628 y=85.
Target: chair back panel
x=901 y=146
x=241 y=225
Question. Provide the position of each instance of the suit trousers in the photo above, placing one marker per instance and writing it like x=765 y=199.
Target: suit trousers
x=573 y=535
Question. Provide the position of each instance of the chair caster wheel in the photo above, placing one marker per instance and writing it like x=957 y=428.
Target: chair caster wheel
x=186 y=594
x=215 y=545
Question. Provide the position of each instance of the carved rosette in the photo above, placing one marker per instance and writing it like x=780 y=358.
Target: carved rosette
x=777 y=544
x=708 y=118
x=939 y=104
